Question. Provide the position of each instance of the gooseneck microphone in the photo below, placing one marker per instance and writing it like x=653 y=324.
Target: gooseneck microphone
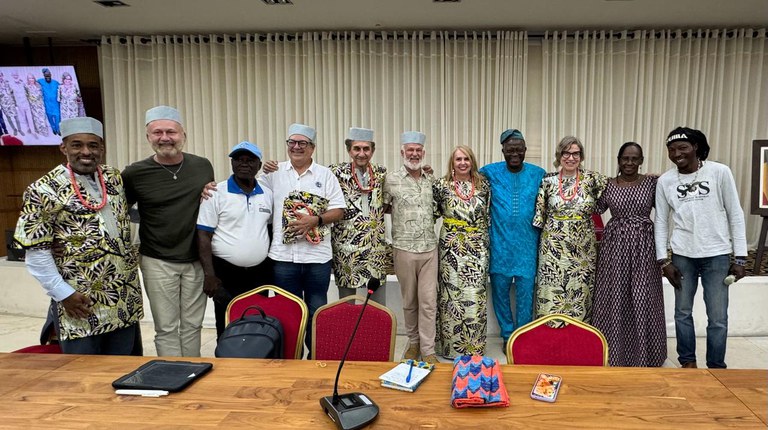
x=353 y=410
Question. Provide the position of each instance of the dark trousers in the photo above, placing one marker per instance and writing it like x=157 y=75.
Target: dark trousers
x=236 y=280
x=113 y=343
x=306 y=280
x=3 y=130
x=118 y=342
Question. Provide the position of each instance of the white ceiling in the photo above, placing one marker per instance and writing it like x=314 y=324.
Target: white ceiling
x=68 y=21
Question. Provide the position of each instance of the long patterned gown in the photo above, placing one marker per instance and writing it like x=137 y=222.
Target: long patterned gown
x=35 y=97
x=568 y=248
x=629 y=301
x=69 y=97
x=462 y=313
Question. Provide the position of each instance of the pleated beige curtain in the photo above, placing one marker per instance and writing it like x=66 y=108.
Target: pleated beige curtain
x=457 y=87
x=638 y=85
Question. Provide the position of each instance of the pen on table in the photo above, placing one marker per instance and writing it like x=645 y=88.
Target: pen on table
x=143 y=393
x=410 y=371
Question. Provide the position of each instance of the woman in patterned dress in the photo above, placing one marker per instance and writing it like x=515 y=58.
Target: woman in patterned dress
x=35 y=98
x=567 y=248
x=462 y=198
x=69 y=97
x=629 y=301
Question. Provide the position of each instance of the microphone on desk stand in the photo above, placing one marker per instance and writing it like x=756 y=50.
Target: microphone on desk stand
x=353 y=410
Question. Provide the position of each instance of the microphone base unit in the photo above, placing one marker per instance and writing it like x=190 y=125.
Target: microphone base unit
x=350 y=411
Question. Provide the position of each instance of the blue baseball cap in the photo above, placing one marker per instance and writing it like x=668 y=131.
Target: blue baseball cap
x=247 y=147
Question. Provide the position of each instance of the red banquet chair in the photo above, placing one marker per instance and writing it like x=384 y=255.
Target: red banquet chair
x=332 y=327
x=574 y=344
x=286 y=307
x=49 y=339
x=51 y=348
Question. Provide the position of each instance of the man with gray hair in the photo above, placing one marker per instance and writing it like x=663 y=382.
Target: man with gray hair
x=360 y=251
x=307 y=200
x=93 y=279
x=408 y=193
x=167 y=187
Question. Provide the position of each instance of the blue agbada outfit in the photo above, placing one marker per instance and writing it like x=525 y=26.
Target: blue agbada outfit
x=514 y=241
x=50 y=99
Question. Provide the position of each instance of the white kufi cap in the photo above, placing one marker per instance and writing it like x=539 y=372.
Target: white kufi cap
x=303 y=130
x=83 y=124
x=413 y=137
x=162 y=112
x=360 y=134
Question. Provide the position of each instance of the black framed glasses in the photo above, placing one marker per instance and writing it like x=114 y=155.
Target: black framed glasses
x=512 y=151
x=575 y=155
x=298 y=143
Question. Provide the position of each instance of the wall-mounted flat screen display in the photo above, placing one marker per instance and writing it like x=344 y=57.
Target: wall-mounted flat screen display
x=34 y=100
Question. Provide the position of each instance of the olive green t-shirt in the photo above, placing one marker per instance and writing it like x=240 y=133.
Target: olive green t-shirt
x=167 y=206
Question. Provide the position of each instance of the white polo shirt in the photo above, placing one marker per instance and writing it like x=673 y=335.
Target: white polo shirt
x=238 y=222
x=318 y=180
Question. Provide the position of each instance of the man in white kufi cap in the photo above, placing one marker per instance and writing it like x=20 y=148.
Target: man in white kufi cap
x=408 y=192
x=167 y=187
x=94 y=283
x=360 y=251
x=308 y=196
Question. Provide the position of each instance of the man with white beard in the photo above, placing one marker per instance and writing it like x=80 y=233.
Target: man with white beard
x=408 y=193
x=22 y=105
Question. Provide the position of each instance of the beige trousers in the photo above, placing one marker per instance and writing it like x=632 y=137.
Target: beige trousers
x=175 y=292
x=417 y=274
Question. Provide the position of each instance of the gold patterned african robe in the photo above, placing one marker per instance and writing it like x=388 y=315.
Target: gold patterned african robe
x=567 y=248
x=360 y=251
x=95 y=262
x=462 y=313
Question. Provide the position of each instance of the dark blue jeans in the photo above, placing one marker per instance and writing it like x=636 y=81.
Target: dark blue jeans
x=307 y=280
x=119 y=342
x=712 y=271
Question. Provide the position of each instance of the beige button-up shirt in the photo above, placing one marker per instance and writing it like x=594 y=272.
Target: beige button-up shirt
x=413 y=224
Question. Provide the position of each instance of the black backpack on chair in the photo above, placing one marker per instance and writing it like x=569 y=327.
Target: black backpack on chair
x=252 y=336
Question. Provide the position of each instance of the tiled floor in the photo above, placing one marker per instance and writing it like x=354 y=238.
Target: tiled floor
x=743 y=352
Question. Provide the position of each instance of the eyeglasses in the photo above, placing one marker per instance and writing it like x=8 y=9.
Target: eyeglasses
x=575 y=155
x=510 y=151
x=298 y=143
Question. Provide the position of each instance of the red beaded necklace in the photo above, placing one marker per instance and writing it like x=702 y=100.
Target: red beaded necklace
x=457 y=189
x=80 y=197
x=575 y=187
x=371 y=184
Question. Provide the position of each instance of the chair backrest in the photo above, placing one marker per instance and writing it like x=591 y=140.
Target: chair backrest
x=599 y=226
x=52 y=348
x=286 y=307
x=332 y=327
x=574 y=344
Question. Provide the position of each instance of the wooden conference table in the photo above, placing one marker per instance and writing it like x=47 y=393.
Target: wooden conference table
x=69 y=391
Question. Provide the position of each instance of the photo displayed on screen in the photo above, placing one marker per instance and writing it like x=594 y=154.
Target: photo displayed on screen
x=34 y=100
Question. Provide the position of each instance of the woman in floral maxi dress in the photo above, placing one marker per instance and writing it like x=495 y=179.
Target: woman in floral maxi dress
x=567 y=248
x=462 y=198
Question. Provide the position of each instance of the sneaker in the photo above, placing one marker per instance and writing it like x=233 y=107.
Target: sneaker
x=431 y=359
x=412 y=353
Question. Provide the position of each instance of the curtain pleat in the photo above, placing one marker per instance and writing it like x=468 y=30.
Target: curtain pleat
x=457 y=87
x=609 y=88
